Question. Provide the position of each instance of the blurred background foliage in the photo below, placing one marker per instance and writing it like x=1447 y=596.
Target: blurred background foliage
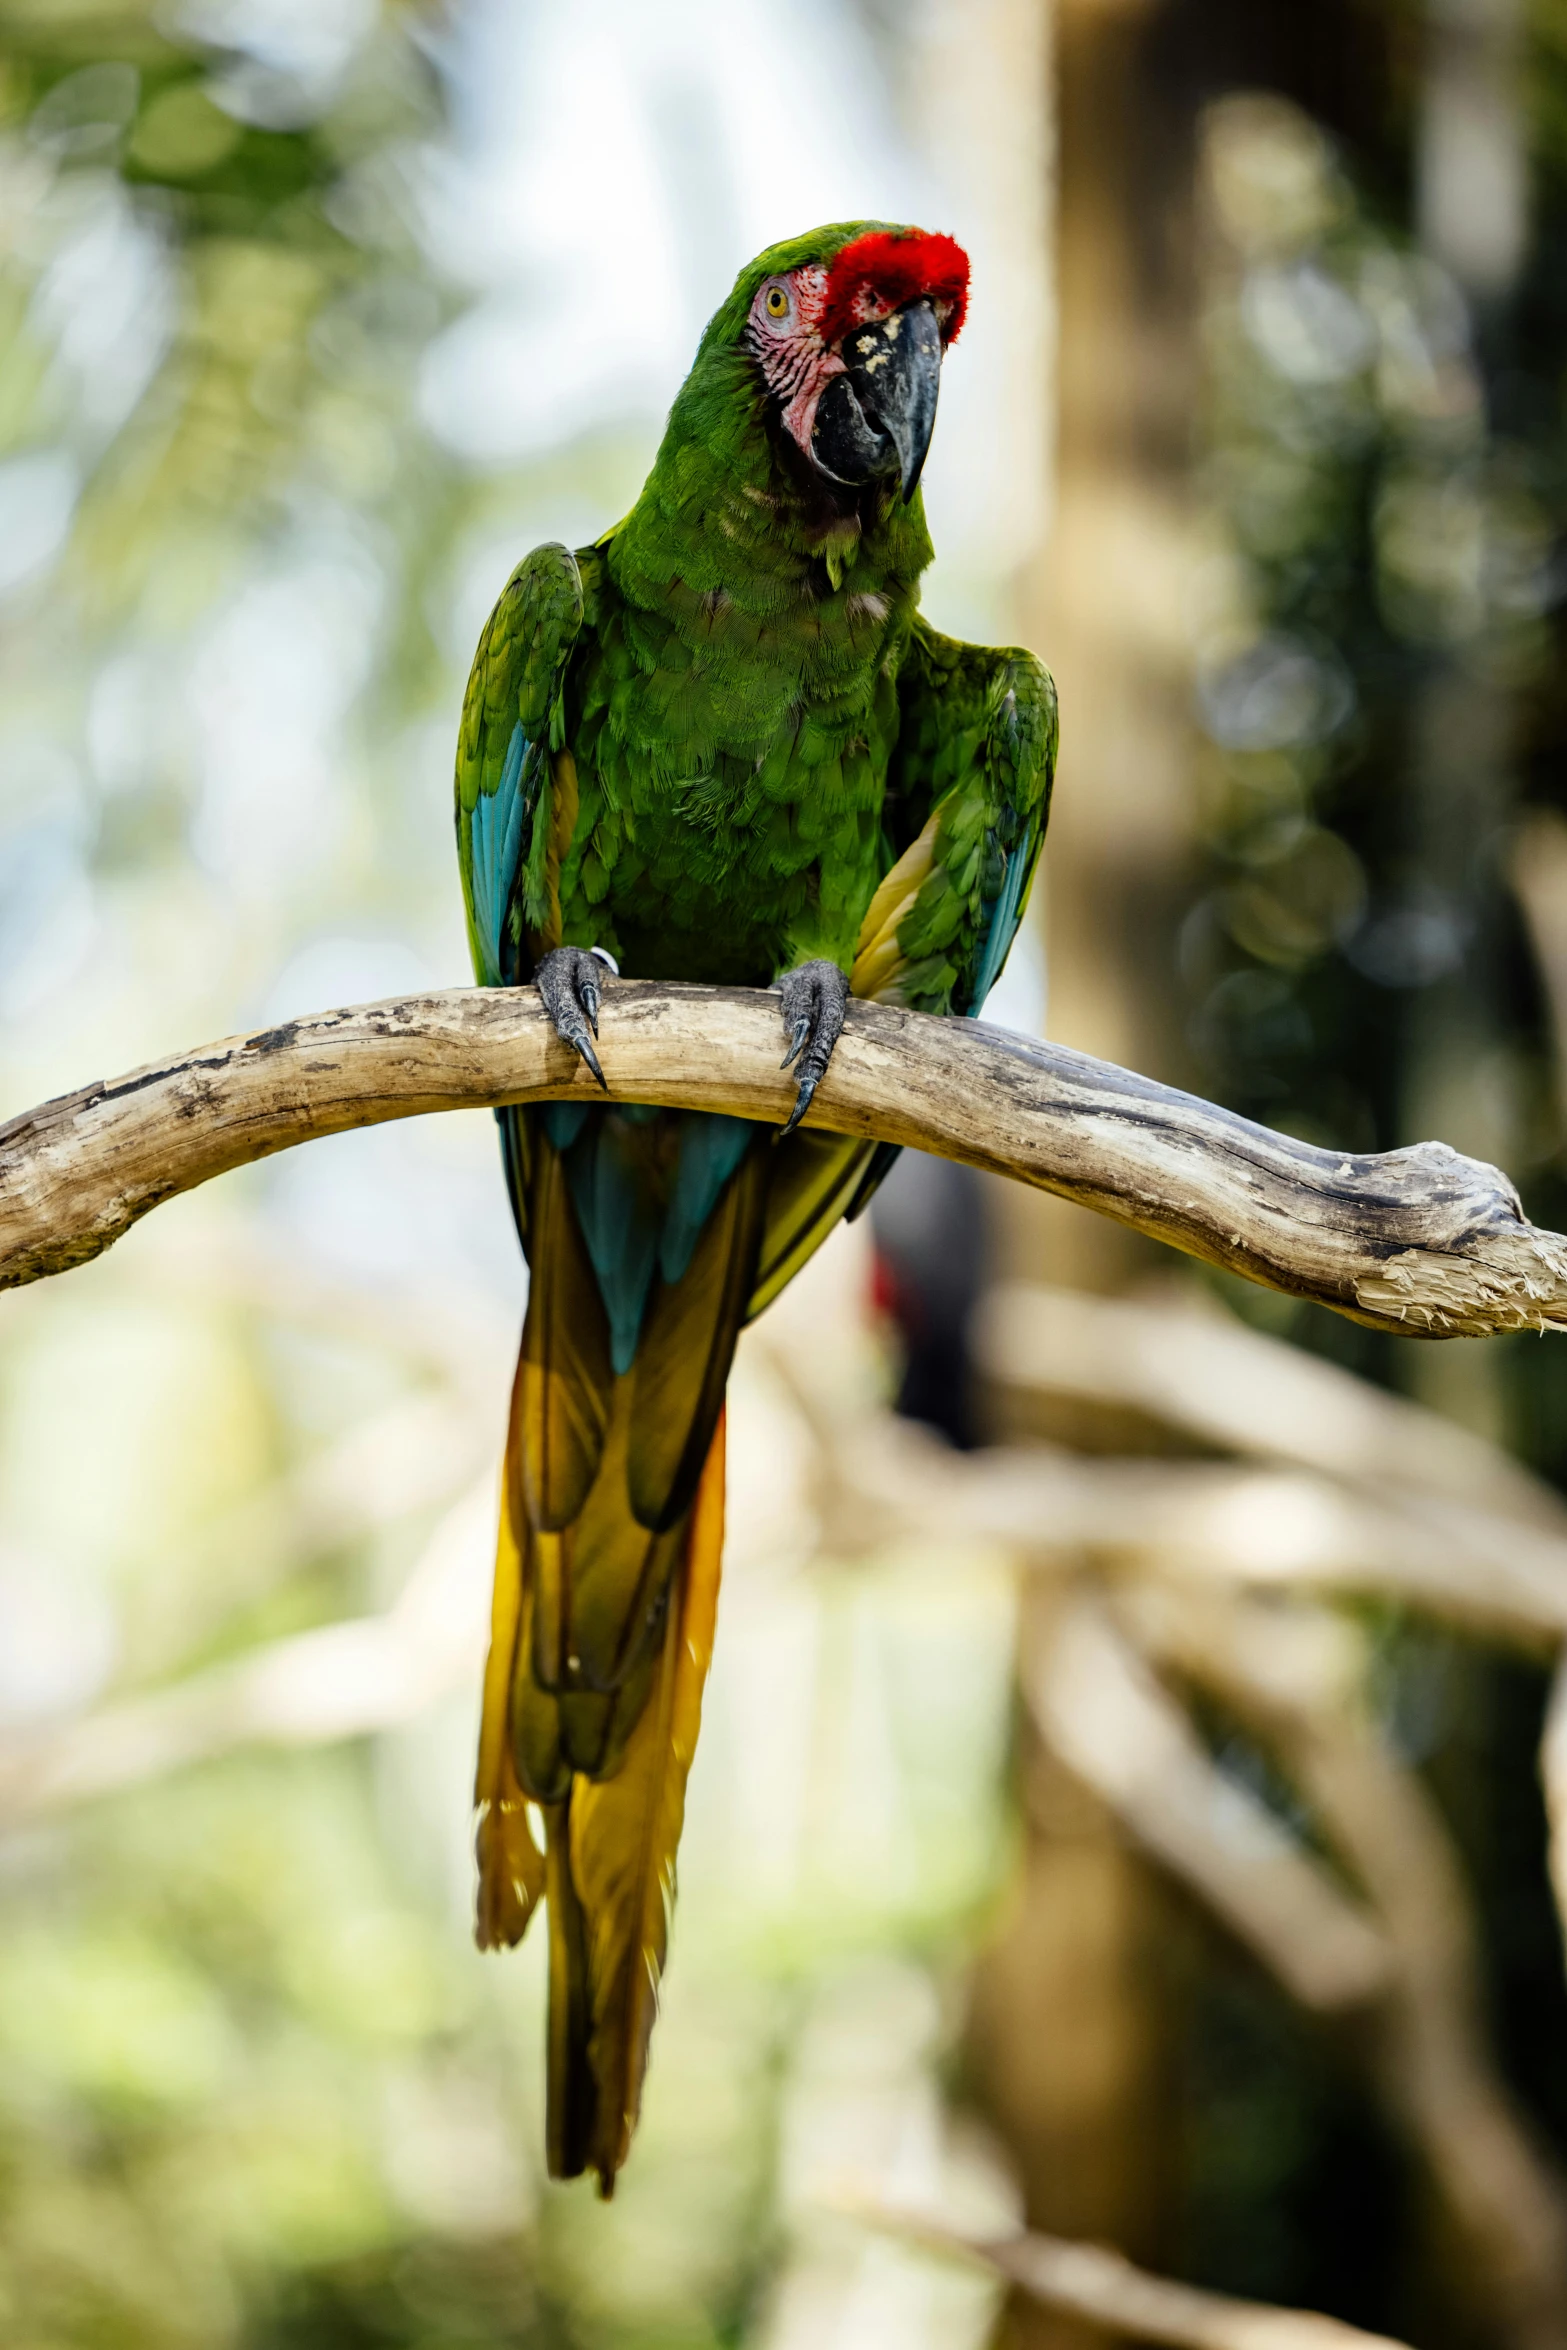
x=313 y=315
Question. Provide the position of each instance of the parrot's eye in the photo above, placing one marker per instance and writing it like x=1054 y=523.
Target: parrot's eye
x=777 y=302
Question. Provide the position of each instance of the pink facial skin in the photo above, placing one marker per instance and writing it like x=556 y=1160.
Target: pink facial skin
x=796 y=364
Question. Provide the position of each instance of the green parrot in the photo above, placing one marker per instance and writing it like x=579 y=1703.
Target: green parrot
x=719 y=744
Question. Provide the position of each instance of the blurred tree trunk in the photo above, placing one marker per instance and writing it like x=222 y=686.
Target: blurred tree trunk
x=1103 y=601
x=1470 y=173
x=1069 y=2040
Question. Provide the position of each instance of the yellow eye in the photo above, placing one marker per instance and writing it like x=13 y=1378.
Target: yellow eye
x=777 y=303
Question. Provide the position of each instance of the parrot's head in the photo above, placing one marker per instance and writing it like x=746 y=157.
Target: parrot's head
x=846 y=330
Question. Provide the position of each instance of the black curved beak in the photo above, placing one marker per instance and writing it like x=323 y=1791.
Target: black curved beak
x=879 y=415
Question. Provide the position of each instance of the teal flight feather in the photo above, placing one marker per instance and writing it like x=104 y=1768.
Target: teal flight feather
x=498 y=829
x=711 y=1147
x=1002 y=929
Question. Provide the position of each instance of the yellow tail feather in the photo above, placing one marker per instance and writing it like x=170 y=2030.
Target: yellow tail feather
x=511 y=1866
x=608 y=1870
x=624 y=1834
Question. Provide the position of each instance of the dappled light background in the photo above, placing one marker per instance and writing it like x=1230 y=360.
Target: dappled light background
x=1120 y=1803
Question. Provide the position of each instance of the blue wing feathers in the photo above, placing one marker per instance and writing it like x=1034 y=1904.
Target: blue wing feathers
x=564 y=1121
x=1002 y=929
x=634 y=1221
x=499 y=823
x=711 y=1147
x=620 y=1217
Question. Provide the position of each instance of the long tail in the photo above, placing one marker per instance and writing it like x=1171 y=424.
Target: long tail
x=608 y=1864
x=611 y=1874
x=606 y=1575
x=606 y=1588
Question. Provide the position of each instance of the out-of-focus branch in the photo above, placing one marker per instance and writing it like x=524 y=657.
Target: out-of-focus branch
x=1346 y=1488
x=1212 y=1379
x=1174 y=1532
x=454 y=1337
x=1292 y=1674
x=1553 y=1780
x=412 y=1455
x=1392 y=1502
x=1204 y=1522
x=341 y=1681
x=1090 y=2281
x=1103 y=1713
x=1418 y=1240
x=1537 y=869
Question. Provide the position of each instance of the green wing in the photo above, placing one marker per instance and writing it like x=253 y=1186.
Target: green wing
x=515 y=780
x=970 y=777
x=975 y=758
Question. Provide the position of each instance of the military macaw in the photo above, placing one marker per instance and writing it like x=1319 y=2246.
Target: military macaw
x=719 y=744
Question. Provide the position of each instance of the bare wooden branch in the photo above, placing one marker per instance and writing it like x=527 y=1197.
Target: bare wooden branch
x=1419 y=1240
x=1092 y=2281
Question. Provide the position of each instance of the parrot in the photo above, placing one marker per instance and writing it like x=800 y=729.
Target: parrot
x=721 y=745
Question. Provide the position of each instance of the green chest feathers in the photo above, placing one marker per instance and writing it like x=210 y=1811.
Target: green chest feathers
x=732 y=750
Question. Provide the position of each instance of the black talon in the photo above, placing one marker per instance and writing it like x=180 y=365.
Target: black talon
x=568 y=979
x=814 y=999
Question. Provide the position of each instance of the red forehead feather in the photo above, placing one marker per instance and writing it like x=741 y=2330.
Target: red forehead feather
x=899 y=269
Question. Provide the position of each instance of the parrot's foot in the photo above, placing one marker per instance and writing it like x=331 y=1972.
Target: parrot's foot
x=570 y=980
x=814 y=1000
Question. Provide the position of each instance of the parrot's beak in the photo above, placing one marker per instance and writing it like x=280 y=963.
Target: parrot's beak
x=878 y=416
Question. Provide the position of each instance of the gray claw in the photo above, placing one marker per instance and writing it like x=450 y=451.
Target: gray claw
x=814 y=999
x=569 y=980
x=802 y=1029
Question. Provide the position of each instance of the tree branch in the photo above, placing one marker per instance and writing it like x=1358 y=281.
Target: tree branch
x=336 y=1681
x=1091 y=2281
x=1098 y=1707
x=1300 y=1680
x=1419 y=1240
